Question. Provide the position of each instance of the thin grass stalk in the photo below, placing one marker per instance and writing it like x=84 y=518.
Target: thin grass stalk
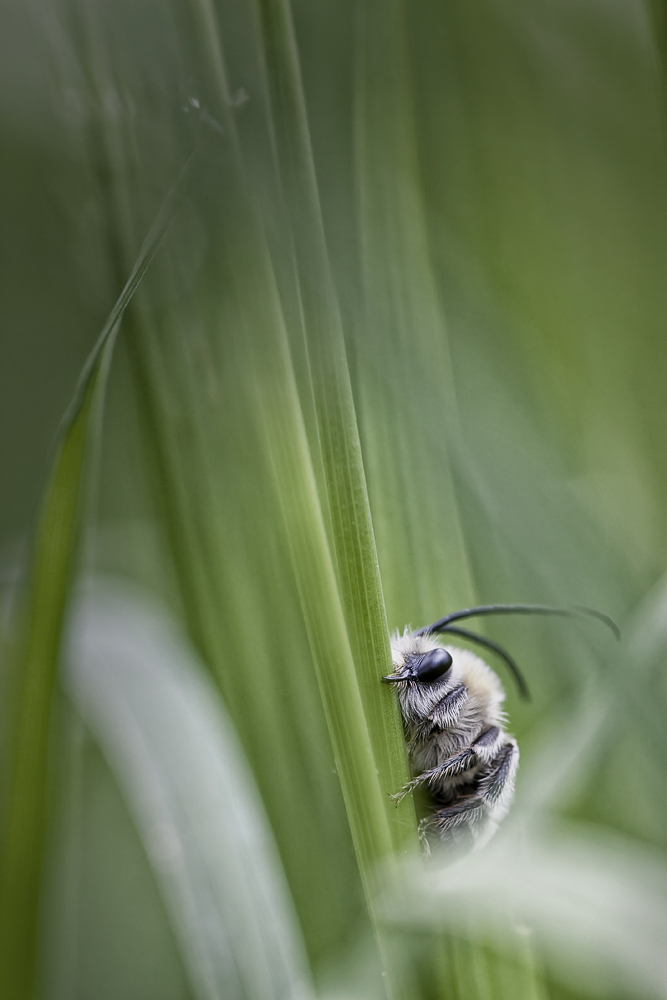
x=347 y=498
x=33 y=667
x=31 y=684
x=296 y=491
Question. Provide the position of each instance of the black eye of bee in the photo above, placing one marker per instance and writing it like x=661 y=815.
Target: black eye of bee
x=433 y=665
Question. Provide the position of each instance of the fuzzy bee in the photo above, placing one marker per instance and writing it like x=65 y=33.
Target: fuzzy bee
x=451 y=703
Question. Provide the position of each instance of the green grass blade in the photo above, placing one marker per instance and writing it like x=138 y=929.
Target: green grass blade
x=408 y=407
x=296 y=491
x=346 y=498
x=34 y=677
x=239 y=315
x=281 y=457
x=340 y=594
x=154 y=712
x=33 y=669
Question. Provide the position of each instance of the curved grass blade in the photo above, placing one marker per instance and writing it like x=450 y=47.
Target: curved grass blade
x=160 y=723
x=33 y=665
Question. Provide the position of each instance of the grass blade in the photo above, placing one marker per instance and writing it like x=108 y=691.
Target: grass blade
x=33 y=666
x=346 y=497
x=164 y=732
x=409 y=412
x=325 y=520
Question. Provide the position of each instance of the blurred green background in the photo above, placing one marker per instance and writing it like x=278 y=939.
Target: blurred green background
x=420 y=252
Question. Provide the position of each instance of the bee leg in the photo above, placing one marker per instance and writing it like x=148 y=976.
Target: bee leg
x=486 y=746
x=469 y=812
x=453 y=765
x=482 y=750
x=496 y=785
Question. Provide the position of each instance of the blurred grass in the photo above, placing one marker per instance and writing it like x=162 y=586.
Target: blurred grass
x=30 y=679
x=30 y=688
x=425 y=253
x=153 y=711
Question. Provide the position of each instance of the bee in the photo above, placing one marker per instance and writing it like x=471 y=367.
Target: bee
x=452 y=707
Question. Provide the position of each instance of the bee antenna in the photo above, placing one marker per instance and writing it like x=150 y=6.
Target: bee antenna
x=519 y=609
x=489 y=644
x=601 y=616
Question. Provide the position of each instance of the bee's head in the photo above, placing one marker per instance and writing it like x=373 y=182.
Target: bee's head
x=423 y=667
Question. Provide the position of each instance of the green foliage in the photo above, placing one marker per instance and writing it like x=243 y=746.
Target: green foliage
x=401 y=348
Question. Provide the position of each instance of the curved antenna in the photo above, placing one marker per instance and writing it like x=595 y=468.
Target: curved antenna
x=519 y=609
x=601 y=616
x=489 y=644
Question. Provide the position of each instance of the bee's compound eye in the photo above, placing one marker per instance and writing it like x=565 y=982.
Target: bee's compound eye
x=433 y=665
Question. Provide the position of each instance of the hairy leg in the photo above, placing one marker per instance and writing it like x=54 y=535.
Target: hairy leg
x=459 y=821
x=481 y=751
x=496 y=785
